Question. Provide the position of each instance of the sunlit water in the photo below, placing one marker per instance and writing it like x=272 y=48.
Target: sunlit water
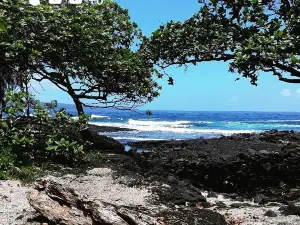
x=187 y=125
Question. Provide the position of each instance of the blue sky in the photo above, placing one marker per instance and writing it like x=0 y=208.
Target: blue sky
x=208 y=86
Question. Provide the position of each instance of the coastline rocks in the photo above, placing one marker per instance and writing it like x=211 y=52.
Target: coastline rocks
x=194 y=216
x=246 y=164
x=14 y=207
x=101 y=142
x=102 y=129
x=62 y=205
x=102 y=197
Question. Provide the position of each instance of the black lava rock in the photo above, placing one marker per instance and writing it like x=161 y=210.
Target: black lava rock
x=239 y=205
x=206 y=205
x=212 y=195
x=220 y=204
x=260 y=199
x=270 y=213
x=291 y=210
x=172 y=179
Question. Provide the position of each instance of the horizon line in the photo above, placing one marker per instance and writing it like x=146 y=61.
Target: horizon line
x=182 y=110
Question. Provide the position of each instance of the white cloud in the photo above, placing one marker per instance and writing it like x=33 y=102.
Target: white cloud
x=286 y=93
x=298 y=91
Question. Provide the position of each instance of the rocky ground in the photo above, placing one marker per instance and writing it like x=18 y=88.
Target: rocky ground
x=242 y=179
x=267 y=163
x=100 y=196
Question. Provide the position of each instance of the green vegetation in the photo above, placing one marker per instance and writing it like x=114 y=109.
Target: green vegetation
x=253 y=36
x=85 y=50
x=30 y=142
x=88 y=51
x=100 y=58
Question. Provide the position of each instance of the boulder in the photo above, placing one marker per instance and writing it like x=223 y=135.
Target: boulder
x=220 y=204
x=240 y=205
x=100 y=198
x=270 y=213
x=172 y=179
x=260 y=199
x=61 y=204
x=194 y=216
x=102 y=142
x=212 y=195
x=291 y=209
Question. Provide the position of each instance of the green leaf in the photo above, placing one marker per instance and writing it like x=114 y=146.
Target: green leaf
x=156 y=33
x=4 y=125
x=80 y=148
x=280 y=33
x=3 y=26
x=214 y=2
x=294 y=59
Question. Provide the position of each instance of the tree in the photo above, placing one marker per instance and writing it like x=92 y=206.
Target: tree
x=85 y=50
x=5 y=79
x=252 y=35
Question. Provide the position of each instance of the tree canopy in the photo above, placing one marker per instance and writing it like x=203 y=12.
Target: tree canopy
x=252 y=35
x=86 y=50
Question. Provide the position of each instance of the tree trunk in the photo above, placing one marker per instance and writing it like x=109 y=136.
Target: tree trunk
x=71 y=92
x=78 y=105
x=27 y=99
x=2 y=96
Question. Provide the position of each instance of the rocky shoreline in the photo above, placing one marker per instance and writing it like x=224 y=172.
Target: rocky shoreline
x=246 y=164
x=242 y=179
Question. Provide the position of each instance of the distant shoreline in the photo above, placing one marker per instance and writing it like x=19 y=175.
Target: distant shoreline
x=104 y=129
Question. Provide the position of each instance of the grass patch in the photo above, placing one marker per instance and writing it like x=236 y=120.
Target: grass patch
x=12 y=169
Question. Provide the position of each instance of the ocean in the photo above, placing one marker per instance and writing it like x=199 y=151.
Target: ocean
x=180 y=125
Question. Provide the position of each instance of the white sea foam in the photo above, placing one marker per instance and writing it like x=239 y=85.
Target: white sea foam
x=204 y=121
x=140 y=139
x=159 y=123
x=275 y=121
x=94 y=116
x=173 y=127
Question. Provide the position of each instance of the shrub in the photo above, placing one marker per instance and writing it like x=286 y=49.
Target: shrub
x=47 y=135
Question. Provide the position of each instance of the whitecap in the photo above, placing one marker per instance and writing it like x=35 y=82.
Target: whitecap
x=94 y=116
x=158 y=123
x=157 y=126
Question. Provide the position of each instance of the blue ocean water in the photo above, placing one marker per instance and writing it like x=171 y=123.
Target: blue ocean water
x=187 y=125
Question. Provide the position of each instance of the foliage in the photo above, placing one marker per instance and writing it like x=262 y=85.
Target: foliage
x=6 y=160
x=10 y=168
x=85 y=50
x=42 y=137
x=254 y=36
x=3 y=26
